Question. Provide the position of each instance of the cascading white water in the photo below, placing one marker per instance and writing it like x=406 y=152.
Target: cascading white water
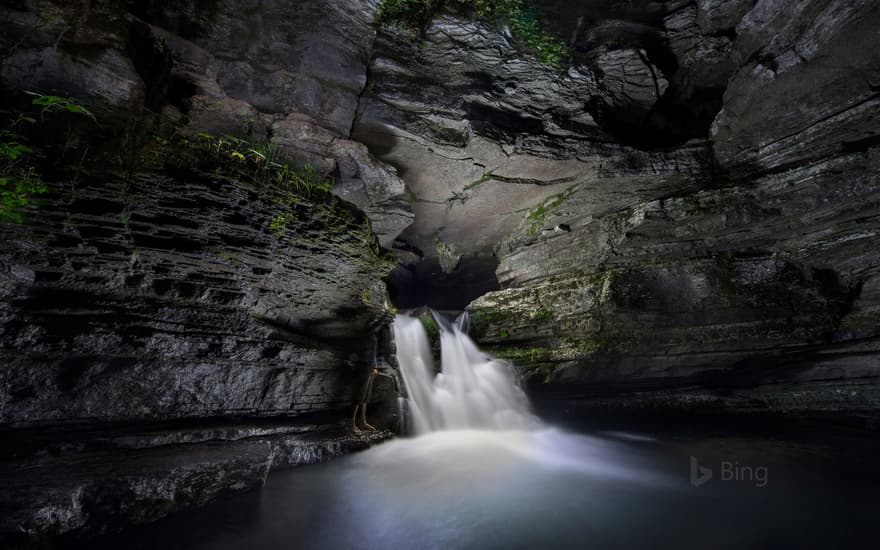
x=472 y=389
x=482 y=473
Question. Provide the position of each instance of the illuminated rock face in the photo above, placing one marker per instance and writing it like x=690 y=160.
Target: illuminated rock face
x=690 y=203
x=685 y=214
x=757 y=288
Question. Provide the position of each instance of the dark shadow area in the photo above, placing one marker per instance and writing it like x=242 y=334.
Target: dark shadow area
x=684 y=111
x=679 y=116
x=425 y=283
x=188 y=19
x=27 y=443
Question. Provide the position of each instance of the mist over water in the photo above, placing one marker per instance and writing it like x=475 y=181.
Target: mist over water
x=472 y=421
x=482 y=472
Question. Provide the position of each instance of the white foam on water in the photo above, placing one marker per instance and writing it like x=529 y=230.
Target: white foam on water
x=472 y=389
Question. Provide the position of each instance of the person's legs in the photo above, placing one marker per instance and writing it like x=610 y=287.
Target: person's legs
x=364 y=418
x=367 y=395
x=361 y=404
x=360 y=394
x=354 y=426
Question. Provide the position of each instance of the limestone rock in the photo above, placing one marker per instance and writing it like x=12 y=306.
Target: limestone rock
x=183 y=310
x=629 y=81
x=99 y=489
x=749 y=288
x=487 y=137
x=684 y=215
x=110 y=77
x=360 y=178
x=704 y=60
x=281 y=56
x=718 y=16
x=771 y=120
x=224 y=116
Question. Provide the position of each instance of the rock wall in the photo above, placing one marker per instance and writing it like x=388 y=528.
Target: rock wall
x=161 y=297
x=273 y=71
x=188 y=302
x=144 y=318
x=98 y=483
x=684 y=214
x=755 y=288
x=488 y=137
x=152 y=294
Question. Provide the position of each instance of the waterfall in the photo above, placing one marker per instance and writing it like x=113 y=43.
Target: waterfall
x=472 y=389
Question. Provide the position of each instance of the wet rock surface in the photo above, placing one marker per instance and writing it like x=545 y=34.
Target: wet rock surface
x=161 y=297
x=753 y=289
x=487 y=137
x=683 y=215
x=185 y=303
x=771 y=121
x=90 y=482
x=277 y=55
x=134 y=295
x=222 y=69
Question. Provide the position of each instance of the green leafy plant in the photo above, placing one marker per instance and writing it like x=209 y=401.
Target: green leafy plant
x=479 y=181
x=525 y=25
x=17 y=193
x=543 y=314
x=538 y=216
x=279 y=222
x=12 y=150
x=54 y=103
x=266 y=164
x=246 y=122
x=408 y=13
x=20 y=180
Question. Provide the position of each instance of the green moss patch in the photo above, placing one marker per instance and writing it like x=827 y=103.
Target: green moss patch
x=522 y=19
x=538 y=216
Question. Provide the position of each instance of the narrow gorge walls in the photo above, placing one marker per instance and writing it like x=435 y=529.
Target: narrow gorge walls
x=755 y=287
x=145 y=289
x=193 y=298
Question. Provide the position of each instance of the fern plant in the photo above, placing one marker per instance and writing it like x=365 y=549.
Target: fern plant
x=20 y=181
x=267 y=165
x=54 y=103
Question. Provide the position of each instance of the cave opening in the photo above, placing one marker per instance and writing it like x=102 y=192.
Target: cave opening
x=425 y=283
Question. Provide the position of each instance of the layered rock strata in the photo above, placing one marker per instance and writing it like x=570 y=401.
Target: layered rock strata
x=756 y=288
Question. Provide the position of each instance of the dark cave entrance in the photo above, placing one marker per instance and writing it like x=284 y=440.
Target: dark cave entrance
x=424 y=283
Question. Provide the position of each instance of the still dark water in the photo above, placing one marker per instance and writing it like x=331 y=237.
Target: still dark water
x=602 y=487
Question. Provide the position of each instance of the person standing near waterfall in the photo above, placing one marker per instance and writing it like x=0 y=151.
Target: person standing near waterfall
x=363 y=389
x=364 y=397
